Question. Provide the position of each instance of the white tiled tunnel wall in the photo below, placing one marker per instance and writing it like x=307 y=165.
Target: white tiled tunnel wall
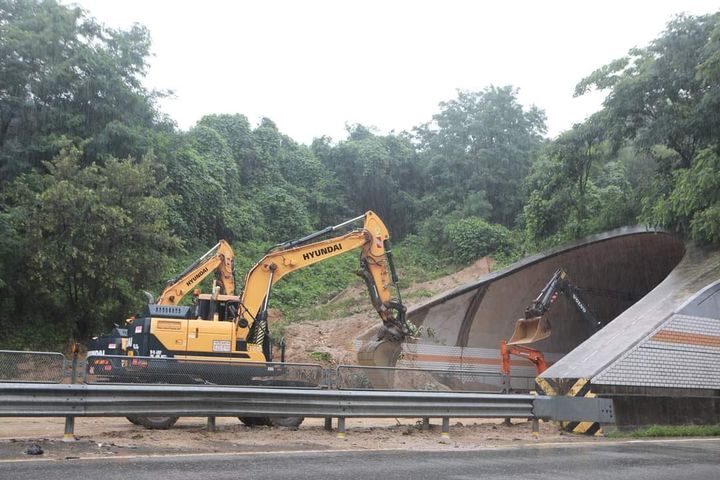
x=683 y=353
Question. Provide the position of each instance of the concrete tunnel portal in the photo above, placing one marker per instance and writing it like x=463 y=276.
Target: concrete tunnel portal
x=657 y=355
x=613 y=271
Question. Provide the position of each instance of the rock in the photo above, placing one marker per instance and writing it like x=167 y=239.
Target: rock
x=34 y=449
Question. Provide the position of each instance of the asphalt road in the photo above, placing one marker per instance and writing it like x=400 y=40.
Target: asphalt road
x=656 y=460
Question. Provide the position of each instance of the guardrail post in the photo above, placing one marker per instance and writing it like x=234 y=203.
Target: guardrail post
x=535 y=426
x=69 y=435
x=341 y=427
x=210 y=424
x=328 y=424
x=426 y=423
x=445 y=427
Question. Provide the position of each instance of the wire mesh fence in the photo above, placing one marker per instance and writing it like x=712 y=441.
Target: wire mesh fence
x=36 y=367
x=122 y=369
x=387 y=378
x=50 y=367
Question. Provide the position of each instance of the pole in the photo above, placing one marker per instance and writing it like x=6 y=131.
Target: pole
x=69 y=435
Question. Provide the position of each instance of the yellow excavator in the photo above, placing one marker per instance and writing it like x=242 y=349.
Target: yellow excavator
x=224 y=326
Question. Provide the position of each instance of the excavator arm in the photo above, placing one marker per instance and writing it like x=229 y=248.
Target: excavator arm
x=535 y=326
x=534 y=356
x=376 y=264
x=218 y=259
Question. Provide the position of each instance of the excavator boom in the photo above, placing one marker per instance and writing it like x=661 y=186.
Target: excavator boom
x=376 y=264
x=218 y=259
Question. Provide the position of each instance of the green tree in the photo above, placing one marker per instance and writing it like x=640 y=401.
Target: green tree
x=693 y=206
x=93 y=236
x=478 y=149
x=579 y=186
x=668 y=92
x=374 y=172
x=663 y=101
x=67 y=78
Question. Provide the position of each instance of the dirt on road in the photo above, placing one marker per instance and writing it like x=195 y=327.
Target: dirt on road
x=105 y=437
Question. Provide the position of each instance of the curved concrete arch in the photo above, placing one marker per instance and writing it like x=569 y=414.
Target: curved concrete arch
x=659 y=299
x=614 y=269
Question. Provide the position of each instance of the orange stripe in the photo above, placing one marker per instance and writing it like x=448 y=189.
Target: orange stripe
x=458 y=360
x=670 y=336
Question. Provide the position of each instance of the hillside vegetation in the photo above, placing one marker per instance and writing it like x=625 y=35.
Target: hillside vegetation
x=103 y=196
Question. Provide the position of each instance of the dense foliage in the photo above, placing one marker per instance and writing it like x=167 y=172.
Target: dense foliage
x=102 y=196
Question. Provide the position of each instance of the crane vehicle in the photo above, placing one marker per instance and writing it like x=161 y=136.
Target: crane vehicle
x=536 y=326
x=224 y=326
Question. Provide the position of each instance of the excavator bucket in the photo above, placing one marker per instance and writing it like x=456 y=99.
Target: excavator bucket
x=530 y=330
x=380 y=353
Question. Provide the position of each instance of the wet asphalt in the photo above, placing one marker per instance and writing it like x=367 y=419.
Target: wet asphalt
x=656 y=460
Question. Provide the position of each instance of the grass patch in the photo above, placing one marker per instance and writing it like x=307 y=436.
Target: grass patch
x=422 y=293
x=669 y=431
x=321 y=356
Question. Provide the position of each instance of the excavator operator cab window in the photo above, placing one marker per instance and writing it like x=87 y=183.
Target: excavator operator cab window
x=227 y=310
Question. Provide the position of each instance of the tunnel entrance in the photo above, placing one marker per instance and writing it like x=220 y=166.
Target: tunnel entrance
x=613 y=271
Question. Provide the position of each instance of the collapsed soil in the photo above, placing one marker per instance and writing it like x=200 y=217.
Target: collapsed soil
x=335 y=337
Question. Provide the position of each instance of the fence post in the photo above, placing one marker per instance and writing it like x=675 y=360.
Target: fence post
x=341 y=427
x=445 y=427
x=210 y=424
x=69 y=435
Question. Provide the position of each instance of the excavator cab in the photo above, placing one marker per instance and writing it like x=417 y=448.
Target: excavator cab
x=530 y=330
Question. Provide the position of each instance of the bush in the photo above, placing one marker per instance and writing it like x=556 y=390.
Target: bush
x=417 y=261
x=472 y=238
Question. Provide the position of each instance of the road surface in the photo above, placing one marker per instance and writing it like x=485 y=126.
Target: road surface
x=656 y=460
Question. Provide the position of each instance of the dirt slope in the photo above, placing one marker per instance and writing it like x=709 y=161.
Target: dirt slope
x=336 y=336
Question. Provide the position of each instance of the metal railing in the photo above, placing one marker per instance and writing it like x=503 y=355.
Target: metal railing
x=148 y=386
x=37 y=367
x=52 y=400
x=155 y=370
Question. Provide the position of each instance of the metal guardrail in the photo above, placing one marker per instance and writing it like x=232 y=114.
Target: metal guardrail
x=51 y=400
x=164 y=387
x=155 y=370
x=425 y=379
x=21 y=366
